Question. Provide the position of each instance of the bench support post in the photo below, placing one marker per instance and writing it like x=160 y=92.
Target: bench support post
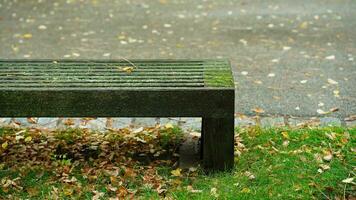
x=217 y=143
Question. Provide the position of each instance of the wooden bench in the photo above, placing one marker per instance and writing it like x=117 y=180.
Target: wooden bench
x=119 y=88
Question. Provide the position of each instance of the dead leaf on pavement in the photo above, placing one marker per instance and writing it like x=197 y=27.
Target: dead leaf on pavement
x=258 y=110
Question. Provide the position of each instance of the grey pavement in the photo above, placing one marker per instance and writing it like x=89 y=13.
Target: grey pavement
x=289 y=57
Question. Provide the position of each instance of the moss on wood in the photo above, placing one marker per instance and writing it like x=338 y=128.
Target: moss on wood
x=219 y=78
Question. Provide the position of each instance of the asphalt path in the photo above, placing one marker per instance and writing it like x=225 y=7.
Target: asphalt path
x=289 y=57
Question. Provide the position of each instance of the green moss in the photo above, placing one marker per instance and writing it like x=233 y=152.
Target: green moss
x=219 y=78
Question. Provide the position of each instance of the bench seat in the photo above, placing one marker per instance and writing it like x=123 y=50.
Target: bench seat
x=120 y=88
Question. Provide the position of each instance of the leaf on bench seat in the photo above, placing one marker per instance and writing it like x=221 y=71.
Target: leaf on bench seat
x=127 y=69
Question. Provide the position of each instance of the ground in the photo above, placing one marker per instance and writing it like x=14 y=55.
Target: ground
x=289 y=57
x=277 y=163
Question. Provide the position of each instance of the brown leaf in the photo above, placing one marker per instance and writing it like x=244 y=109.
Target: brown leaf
x=69 y=122
x=122 y=192
x=334 y=109
x=258 y=110
x=31 y=120
x=129 y=172
x=32 y=192
x=351 y=118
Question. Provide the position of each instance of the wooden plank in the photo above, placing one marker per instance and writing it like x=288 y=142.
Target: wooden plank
x=148 y=61
x=116 y=102
x=103 y=85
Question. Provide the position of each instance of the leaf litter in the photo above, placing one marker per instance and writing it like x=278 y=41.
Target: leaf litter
x=124 y=156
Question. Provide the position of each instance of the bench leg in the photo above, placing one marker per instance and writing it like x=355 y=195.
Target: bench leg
x=217 y=143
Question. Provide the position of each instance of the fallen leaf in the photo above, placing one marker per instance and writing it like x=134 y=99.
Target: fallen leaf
x=128 y=69
x=192 y=169
x=249 y=175
x=69 y=122
x=258 y=110
x=286 y=48
x=351 y=118
x=28 y=139
x=129 y=172
x=303 y=81
x=348 y=180
x=285 y=143
x=331 y=57
x=122 y=191
x=245 y=190
x=213 y=192
x=331 y=135
x=190 y=189
x=168 y=126
x=31 y=120
x=32 y=192
x=19 y=137
x=331 y=81
x=137 y=130
x=42 y=27
x=334 y=109
x=244 y=73
x=321 y=112
x=304 y=25
x=324 y=167
x=27 y=36
x=271 y=75
x=176 y=172
x=285 y=135
x=97 y=195
x=68 y=191
x=328 y=156
x=5 y=145
x=111 y=188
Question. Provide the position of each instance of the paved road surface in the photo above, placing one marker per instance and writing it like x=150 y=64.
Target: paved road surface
x=289 y=57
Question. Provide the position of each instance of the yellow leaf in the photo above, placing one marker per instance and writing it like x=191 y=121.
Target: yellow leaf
x=27 y=36
x=28 y=139
x=128 y=69
x=168 y=126
x=245 y=190
x=68 y=191
x=4 y=145
x=285 y=134
x=176 y=172
x=304 y=25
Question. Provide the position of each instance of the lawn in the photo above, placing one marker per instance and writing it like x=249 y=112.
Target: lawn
x=273 y=163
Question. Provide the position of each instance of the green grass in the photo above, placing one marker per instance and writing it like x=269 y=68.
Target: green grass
x=267 y=168
x=284 y=172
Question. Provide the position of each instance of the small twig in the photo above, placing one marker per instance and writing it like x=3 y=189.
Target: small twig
x=128 y=61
